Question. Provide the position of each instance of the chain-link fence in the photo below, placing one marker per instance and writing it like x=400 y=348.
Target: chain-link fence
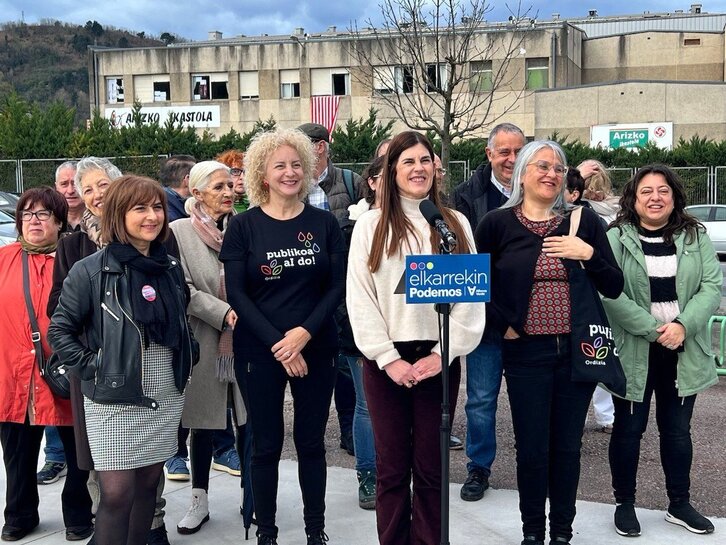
x=9 y=175
x=38 y=172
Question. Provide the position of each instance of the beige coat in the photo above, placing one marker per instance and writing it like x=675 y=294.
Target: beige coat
x=206 y=396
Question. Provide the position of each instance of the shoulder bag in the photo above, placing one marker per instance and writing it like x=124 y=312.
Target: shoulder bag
x=594 y=354
x=52 y=370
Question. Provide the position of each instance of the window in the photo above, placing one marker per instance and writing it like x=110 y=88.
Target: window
x=436 y=77
x=329 y=81
x=701 y=213
x=152 y=88
x=384 y=80
x=404 y=79
x=289 y=83
x=538 y=73
x=209 y=87
x=114 y=90
x=692 y=41
x=249 y=86
x=341 y=84
x=393 y=79
x=480 y=80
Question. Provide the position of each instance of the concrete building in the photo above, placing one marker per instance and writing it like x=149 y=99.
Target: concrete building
x=566 y=76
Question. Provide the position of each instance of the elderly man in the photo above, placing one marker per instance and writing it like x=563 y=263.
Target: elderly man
x=487 y=189
x=336 y=188
x=64 y=175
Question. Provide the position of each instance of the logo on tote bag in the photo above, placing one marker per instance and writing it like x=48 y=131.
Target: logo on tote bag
x=598 y=350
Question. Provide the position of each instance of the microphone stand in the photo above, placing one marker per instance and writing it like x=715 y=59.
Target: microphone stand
x=445 y=429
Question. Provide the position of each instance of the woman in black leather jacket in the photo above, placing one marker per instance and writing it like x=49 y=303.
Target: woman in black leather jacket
x=129 y=300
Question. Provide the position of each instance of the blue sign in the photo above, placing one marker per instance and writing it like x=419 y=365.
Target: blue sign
x=458 y=278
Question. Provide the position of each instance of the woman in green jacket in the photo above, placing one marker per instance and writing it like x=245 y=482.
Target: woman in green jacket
x=672 y=286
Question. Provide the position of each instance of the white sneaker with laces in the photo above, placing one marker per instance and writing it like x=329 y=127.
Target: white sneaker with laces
x=197 y=514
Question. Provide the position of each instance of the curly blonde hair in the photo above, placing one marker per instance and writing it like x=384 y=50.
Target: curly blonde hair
x=258 y=154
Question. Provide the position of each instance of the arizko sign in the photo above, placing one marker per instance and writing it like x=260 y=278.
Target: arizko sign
x=199 y=117
x=632 y=135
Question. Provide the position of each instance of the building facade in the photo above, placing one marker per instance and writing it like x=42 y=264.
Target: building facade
x=564 y=76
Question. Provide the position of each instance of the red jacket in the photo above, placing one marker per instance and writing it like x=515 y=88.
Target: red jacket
x=22 y=390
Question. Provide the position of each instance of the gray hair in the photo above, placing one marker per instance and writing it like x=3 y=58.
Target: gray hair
x=509 y=128
x=199 y=177
x=87 y=164
x=520 y=166
x=63 y=166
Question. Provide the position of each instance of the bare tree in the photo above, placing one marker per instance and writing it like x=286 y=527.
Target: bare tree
x=430 y=62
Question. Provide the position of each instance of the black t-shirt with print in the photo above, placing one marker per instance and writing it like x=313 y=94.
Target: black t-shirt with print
x=281 y=274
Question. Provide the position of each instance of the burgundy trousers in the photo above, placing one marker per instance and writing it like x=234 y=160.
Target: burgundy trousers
x=406 y=425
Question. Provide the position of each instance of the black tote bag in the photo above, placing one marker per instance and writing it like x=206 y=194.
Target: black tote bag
x=594 y=354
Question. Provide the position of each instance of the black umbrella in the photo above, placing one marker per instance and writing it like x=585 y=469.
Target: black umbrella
x=248 y=504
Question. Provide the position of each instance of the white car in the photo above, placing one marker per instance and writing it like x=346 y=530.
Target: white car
x=8 y=234
x=713 y=217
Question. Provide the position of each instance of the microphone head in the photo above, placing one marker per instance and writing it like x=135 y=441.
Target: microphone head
x=430 y=211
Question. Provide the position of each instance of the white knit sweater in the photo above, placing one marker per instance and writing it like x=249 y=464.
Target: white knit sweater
x=379 y=317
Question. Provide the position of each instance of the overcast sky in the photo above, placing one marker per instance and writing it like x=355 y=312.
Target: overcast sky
x=193 y=19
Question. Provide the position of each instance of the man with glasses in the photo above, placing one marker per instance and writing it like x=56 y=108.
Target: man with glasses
x=487 y=189
x=174 y=176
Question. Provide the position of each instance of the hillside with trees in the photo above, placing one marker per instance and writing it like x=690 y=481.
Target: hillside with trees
x=48 y=62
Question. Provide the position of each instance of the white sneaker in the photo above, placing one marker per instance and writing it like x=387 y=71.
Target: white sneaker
x=197 y=514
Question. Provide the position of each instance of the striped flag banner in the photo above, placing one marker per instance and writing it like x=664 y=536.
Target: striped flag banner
x=324 y=110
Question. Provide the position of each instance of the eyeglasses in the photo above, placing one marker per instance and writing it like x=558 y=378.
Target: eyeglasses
x=236 y=171
x=441 y=171
x=506 y=152
x=543 y=167
x=42 y=215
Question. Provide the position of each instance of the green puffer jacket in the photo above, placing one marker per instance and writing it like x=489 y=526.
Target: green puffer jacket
x=698 y=285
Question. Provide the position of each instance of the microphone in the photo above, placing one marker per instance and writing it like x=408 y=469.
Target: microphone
x=436 y=220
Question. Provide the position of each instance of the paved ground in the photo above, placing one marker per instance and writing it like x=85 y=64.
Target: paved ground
x=494 y=520
x=491 y=521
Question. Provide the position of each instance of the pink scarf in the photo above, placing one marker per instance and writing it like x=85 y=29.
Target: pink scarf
x=207 y=230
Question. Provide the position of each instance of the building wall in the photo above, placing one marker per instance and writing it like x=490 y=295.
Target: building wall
x=694 y=108
x=511 y=100
x=654 y=55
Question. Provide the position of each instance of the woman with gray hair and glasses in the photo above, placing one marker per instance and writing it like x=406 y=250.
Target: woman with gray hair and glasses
x=533 y=262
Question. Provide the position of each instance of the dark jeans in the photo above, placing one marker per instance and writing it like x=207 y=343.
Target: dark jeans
x=548 y=415
x=406 y=425
x=673 y=417
x=263 y=386
x=21 y=447
x=344 y=396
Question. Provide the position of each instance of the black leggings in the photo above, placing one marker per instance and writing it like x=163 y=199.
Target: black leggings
x=127 y=505
x=201 y=446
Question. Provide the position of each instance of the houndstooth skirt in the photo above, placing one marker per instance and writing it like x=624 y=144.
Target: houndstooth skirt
x=123 y=436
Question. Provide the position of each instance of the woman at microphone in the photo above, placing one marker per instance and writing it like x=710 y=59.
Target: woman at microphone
x=400 y=342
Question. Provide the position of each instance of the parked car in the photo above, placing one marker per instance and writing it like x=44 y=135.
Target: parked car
x=713 y=217
x=8 y=202
x=8 y=234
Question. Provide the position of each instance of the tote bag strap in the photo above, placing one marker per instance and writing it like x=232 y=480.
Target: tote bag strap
x=575 y=220
x=575 y=224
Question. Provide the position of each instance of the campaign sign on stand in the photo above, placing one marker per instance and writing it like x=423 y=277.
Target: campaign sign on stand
x=457 y=278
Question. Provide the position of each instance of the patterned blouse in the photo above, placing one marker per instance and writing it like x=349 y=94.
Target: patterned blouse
x=549 y=301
